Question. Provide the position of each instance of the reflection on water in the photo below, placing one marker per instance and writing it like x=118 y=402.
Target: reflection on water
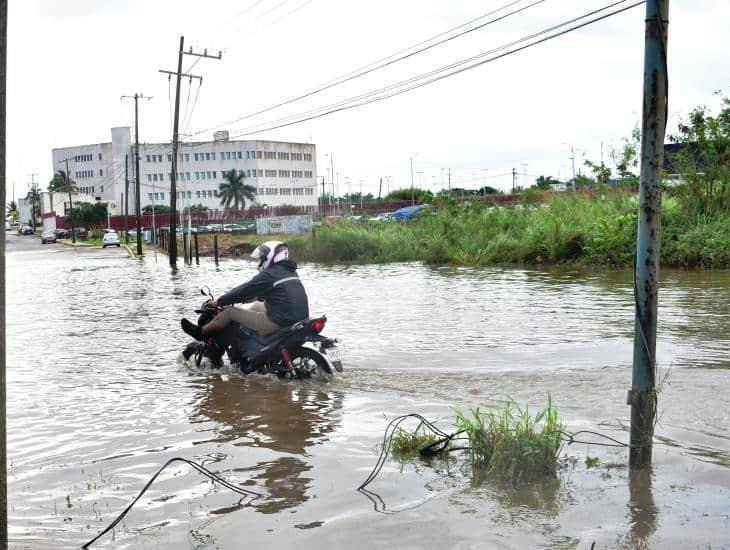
x=643 y=512
x=271 y=414
x=97 y=402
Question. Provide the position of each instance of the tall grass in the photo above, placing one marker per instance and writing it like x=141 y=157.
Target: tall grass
x=569 y=227
x=512 y=445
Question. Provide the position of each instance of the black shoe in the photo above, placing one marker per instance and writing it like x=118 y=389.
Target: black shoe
x=192 y=329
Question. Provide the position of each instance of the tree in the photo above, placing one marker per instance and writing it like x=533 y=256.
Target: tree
x=61 y=183
x=601 y=172
x=198 y=208
x=34 y=197
x=487 y=190
x=86 y=214
x=420 y=195
x=235 y=190
x=12 y=212
x=702 y=159
x=626 y=156
x=545 y=183
x=159 y=209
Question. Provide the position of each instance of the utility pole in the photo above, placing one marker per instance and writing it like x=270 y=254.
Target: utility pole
x=70 y=203
x=126 y=199
x=172 y=250
x=34 y=194
x=3 y=447
x=449 y=181
x=642 y=396
x=138 y=206
x=413 y=199
x=514 y=175
x=380 y=188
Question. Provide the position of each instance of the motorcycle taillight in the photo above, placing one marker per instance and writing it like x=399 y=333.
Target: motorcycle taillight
x=317 y=325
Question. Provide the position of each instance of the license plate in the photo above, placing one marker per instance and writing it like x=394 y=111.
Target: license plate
x=336 y=358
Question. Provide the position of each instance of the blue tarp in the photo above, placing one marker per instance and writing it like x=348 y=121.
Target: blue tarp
x=409 y=212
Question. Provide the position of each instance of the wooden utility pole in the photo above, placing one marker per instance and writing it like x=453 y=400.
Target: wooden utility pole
x=172 y=252
x=137 y=178
x=642 y=396
x=3 y=446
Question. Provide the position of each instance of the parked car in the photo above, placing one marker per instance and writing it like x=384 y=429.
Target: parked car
x=48 y=237
x=382 y=217
x=25 y=230
x=230 y=227
x=110 y=239
x=60 y=233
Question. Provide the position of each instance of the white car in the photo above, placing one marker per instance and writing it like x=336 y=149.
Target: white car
x=110 y=239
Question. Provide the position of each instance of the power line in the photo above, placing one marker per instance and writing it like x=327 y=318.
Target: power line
x=423 y=79
x=445 y=68
x=391 y=59
x=275 y=21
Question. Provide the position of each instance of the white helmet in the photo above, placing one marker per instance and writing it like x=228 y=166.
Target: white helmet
x=269 y=253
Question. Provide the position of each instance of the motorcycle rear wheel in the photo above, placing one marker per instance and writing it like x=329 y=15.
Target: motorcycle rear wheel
x=311 y=364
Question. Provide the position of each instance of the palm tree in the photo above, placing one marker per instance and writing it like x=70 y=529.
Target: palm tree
x=34 y=197
x=234 y=190
x=12 y=210
x=61 y=183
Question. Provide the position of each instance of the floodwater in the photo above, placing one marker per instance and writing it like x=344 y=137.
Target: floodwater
x=98 y=401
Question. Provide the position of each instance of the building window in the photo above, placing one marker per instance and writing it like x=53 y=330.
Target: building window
x=195 y=156
x=307 y=173
x=283 y=156
x=272 y=191
x=187 y=176
x=149 y=177
x=270 y=155
x=284 y=173
x=187 y=157
x=285 y=191
x=240 y=155
x=259 y=154
x=190 y=194
x=298 y=191
x=270 y=173
x=162 y=177
x=99 y=156
x=248 y=154
x=309 y=191
x=308 y=157
x=147 y=158
x=102 y=189
x=150 y=196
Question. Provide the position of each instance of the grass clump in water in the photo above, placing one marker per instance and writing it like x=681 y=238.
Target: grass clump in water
x=513 y=445
x=406 y=444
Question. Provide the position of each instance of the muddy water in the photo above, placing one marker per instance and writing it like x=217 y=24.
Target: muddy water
x=97 y=401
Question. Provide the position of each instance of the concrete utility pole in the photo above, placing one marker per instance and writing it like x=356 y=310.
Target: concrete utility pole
x=138 y=206
x=126 y=199
x=34 y=194
x=413 y=199
x=172 y=250
x=3 y=446
x=514 y=176
x=642 y=396
x=70 y=203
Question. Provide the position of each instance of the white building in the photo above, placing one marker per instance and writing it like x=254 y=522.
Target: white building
x=283 y=173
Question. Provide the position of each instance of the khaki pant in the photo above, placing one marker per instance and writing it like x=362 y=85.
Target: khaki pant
x=252 y=315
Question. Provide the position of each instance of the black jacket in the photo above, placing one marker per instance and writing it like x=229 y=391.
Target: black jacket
x=280 y=289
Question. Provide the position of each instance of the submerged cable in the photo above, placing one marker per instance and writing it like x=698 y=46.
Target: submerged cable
x=196 y=466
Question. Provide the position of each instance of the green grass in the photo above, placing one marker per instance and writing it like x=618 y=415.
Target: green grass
x=406 y=444
x=512 y=445
x=567 y=228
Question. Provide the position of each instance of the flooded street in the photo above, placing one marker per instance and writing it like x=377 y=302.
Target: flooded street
x=98 y=401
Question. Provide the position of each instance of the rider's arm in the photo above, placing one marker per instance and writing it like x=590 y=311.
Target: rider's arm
x=257 y=286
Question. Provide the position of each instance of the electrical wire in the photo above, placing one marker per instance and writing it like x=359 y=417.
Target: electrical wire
x=207 y=473
x=389 y=60
x=424 y=79
x=275 y=21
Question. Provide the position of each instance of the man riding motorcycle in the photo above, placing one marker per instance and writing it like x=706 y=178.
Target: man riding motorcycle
x=278 y=296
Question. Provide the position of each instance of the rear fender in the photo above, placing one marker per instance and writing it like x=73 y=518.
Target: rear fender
x=331 y=367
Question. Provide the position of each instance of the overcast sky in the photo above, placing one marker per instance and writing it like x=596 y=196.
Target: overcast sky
x=69 y=62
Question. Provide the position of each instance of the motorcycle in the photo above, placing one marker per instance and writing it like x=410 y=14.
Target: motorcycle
x=296 y=352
